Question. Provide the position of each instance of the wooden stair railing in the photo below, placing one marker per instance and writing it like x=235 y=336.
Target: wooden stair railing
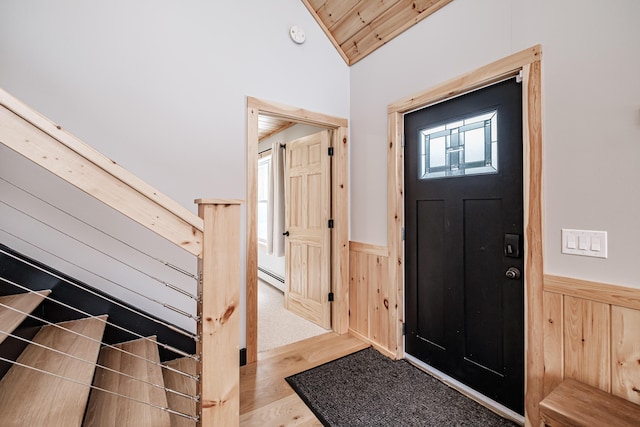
x=213 y=236
x=45 y=143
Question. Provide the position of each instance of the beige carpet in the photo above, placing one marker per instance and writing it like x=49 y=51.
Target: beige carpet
x=277 y=326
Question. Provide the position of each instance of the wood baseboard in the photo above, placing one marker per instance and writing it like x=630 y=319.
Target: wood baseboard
x=373 y=344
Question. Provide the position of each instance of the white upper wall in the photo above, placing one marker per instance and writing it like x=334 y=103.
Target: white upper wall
x=591 y=114
x=160 y=87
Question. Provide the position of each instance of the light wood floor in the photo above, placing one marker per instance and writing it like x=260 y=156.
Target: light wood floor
x=265 y=397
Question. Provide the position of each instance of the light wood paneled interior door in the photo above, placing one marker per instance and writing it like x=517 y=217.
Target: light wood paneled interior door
x=307 y=246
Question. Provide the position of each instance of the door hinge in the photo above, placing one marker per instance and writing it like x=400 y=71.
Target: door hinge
x=519 y=77
x=404 y=329
x=403 y=139
x=403 y=234
x=330 y=296
x=330 y=151
x=330 y=223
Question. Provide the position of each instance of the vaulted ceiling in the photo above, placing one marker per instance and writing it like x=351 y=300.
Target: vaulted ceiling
x=358 y=27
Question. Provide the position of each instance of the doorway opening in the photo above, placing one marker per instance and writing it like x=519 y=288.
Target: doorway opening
x=338 y=259
x=294 y=247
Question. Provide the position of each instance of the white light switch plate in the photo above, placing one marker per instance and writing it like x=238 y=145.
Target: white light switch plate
x=584 y=242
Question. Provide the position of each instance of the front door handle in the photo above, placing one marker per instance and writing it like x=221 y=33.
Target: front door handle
x=513 y=273
x=286 y=233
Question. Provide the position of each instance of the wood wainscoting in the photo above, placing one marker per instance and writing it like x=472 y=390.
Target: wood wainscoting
x=591 y=330
x=373 y=304
x=592 y=334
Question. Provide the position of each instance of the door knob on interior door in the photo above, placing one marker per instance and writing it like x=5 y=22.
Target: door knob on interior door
x=286 y=233
x=513 y=273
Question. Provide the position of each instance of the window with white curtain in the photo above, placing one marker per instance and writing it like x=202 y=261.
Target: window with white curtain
x=264 y=165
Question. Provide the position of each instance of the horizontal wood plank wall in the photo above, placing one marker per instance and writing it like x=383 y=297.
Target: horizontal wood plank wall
x=592 y=334
x=373 y=309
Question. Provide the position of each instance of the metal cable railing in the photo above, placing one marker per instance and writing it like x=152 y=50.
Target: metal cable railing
x=98 y=365
x=129 y=377
x=162 y=387
x=80 y=220
x=172 y=349
x=84 y=313
x=96 y=294
x=110 y=300
x=93 y=387
x=169 y=285
x=111 y=346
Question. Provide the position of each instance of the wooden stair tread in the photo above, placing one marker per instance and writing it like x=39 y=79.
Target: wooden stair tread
x=107 y=409
x=59 y=402
x=175 y=381
x=573 y=403
x=26 y=303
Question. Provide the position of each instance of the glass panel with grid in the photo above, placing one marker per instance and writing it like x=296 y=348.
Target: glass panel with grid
x=463 y=147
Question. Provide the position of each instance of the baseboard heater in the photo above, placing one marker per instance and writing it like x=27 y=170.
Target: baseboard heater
x=271 y=278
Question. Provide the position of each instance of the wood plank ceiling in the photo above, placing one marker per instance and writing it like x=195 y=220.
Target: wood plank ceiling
x=268 y=126
x=358 y=27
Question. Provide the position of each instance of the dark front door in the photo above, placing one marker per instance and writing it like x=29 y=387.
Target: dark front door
x=464 y=240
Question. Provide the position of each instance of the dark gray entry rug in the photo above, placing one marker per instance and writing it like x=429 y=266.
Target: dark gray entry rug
x=369 y=389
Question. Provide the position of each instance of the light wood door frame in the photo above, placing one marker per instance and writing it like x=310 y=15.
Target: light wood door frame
x=340 y=213
x=529 y=63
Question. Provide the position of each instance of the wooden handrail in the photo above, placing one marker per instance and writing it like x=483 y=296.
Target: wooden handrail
x=42 y=141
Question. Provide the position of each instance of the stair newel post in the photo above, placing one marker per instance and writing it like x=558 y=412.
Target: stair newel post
x=219 y=313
